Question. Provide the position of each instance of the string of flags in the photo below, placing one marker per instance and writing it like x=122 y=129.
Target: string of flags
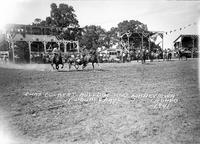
x=180 y=29
x=158 y=37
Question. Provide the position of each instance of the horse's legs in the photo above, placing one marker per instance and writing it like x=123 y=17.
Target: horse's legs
x=93 y=65
x=84 y=65
x=52 y=65
x=98 y=65
x=69 y=66
x=57 y=66
x=62 y=66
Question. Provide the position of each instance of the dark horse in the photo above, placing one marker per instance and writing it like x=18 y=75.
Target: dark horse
x=143 y=56
x=57 y=60
x=90 y=58
x=169 y=56
x=182 y=54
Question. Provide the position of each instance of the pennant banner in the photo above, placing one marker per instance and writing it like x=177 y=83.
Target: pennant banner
x=171 y=31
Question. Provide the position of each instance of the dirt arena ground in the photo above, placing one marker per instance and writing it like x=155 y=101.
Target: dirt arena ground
x=126 y=103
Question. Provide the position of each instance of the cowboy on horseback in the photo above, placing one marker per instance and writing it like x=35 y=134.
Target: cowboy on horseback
x=57 y=58
x=55 y=53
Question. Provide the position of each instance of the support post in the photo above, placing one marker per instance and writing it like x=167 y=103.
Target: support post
x=45 y=47
x=77 y=43
x=149 y=47
x=65 y=48
x=163 y=44
x=29 y=47
x=128 y=43
x=149 y=44
x=58 y=45
x=142 y=41
x=162 y=41
x=181 y=45
x=192 y=54
x=13 y=51
x=70 y=46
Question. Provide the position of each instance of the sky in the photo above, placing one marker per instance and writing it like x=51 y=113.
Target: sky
x=159 y=15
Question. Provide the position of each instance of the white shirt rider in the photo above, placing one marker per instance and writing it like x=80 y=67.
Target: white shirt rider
x=55 y=51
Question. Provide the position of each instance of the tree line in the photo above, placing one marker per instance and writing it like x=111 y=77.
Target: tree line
x=91 y=36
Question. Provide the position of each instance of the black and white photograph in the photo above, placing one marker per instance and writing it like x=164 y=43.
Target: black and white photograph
x=99 y=72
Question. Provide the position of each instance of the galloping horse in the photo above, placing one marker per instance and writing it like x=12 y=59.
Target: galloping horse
x=57 y=60
x=90 y=58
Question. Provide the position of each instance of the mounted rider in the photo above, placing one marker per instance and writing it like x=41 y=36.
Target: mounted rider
x=56 y=52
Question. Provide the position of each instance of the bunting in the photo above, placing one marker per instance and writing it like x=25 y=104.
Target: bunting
x=180 y=29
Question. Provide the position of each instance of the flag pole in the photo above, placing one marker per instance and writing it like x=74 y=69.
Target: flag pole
x=163 y=43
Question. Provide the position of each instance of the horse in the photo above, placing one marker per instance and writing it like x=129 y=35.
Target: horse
x=182 y=54
x=90 y=58
x=143 y=56
x=164 y=55
x=151 y=56
x=138 y=56
x=169 y=56
x=57 y=60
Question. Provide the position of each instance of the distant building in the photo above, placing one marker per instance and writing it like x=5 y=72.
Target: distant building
x=187 y=42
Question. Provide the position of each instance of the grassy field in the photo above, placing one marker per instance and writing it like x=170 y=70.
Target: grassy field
x=125 y=103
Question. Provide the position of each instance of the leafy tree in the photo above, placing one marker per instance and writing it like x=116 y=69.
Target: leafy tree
x=132 y=26
x=37 y=21
x=135 y=28
x=112 y=36
x=93 y=37
x=4 y=45
x=62 y=16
